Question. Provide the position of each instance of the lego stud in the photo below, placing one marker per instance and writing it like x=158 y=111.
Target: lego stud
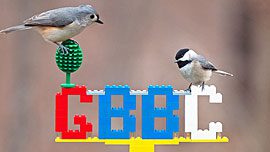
x=70 y=62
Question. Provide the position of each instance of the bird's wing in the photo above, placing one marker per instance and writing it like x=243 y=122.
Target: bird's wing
x=55 y=18
x=205 y=63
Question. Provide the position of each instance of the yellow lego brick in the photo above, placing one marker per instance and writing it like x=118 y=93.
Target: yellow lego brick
x=141 y=145
x=139 y=140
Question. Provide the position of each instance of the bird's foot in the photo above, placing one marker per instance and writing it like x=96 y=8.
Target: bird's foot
x=64 y=50
x=202 y=86
x=188 y=90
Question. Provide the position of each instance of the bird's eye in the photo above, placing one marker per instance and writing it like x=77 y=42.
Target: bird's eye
x=92 y=16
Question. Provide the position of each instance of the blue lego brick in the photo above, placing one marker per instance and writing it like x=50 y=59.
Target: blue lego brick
x=106 y=112
x=150 y=112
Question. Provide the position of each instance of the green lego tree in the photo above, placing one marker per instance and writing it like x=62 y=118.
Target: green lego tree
x=70 y=62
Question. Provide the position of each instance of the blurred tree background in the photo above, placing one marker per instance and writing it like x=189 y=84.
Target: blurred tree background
x=136 y=46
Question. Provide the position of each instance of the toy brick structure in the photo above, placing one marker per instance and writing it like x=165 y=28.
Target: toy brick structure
x=150 y=135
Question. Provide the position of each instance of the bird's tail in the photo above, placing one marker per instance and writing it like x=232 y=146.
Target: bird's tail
x=15 y=28
x=223 y=73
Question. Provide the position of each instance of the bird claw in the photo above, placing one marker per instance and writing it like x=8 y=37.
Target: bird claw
x=202 y=86
x=188 y=90
x=64 y=50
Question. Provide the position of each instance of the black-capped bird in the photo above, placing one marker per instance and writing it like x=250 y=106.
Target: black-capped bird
x=195 y=68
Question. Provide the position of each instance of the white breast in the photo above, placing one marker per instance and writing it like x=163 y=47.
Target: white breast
x=195 y=74
x=56 y=34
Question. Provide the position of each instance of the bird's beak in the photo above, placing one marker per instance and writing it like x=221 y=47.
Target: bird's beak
x=99 y=21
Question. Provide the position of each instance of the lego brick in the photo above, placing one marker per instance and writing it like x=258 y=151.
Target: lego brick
x=95 y=92
x=84 y=126
x=138 y=92
x=61 y=113
x=73 y=134
x=215 y=126
x=191 y=113
x=203 y=134
x=78 y=90
x=180 y=92
x=150 y=112
x=106 y=112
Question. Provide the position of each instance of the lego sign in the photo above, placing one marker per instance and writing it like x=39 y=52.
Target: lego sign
x=149 y=113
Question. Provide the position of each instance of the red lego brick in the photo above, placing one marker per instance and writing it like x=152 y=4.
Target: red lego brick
x=77 y=90
x=86 y=98
x=87 y=127
x=79 y=119
x=61 y=124
x=73 y=134
x=61 y=113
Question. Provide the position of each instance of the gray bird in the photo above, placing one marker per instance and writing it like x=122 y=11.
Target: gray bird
x=60 y=24
x=195 y=68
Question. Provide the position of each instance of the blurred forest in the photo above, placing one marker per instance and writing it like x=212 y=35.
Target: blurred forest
x=136 y=46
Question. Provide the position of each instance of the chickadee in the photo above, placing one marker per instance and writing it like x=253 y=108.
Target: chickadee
x=195 y=68
x=59 y=24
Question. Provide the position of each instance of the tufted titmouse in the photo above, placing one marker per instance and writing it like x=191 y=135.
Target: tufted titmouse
x=60 y=24
x=195 y=68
